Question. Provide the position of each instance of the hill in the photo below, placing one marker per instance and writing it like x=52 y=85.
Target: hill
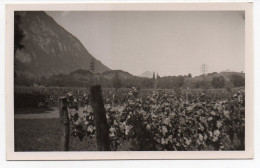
x=206 y=81
x=122 y=74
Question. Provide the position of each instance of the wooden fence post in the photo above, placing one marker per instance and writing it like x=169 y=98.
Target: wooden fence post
x=102 y=132
x=64 y=120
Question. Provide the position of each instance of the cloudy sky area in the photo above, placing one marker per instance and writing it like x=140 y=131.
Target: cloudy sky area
x=170 y=43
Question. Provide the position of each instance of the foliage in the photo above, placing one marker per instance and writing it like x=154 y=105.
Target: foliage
x=238 y=80
x=84 y=78
x=203 y=84
x=170 y=82
x=218 y=82
x=169 y=120
x=116 y=81
x=28 y=96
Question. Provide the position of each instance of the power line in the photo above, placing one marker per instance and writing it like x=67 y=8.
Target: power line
x=204 y=69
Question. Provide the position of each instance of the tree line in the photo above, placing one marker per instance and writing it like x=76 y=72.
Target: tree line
x=168 y=82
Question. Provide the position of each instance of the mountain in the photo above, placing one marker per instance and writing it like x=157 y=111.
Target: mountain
x=50 y=49
x=147 y=74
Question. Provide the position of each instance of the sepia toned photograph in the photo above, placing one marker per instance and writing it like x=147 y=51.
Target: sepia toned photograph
x=130 y=80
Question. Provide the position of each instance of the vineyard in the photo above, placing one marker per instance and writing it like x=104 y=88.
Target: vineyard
x=153 y=119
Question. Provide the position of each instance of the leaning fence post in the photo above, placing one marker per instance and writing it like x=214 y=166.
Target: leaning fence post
x=102 y=132
x=64 y=120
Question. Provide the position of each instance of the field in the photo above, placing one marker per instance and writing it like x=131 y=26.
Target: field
x=150 y=119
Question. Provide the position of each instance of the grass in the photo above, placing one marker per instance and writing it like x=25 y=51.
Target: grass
x=44 y=135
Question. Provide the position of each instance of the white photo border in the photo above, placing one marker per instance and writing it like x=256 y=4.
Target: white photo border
x=119 y=155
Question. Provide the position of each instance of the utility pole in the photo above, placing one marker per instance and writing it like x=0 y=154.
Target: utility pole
x=92 y=65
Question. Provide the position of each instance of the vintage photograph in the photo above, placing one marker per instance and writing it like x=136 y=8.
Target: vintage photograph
x=129 y=80
x=166 y=80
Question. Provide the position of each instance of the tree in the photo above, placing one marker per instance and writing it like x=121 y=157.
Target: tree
x=18 y=37
x=237 y=80
x=154 y=81
x=189 y=75
x=180 y=81
x=18 y=33
x=218 y=82
x=116 y=81
x=157 y=77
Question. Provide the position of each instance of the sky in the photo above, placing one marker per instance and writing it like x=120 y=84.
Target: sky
x=167 y=42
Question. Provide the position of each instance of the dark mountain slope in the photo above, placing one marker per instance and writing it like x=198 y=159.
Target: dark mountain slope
x=50 y=49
